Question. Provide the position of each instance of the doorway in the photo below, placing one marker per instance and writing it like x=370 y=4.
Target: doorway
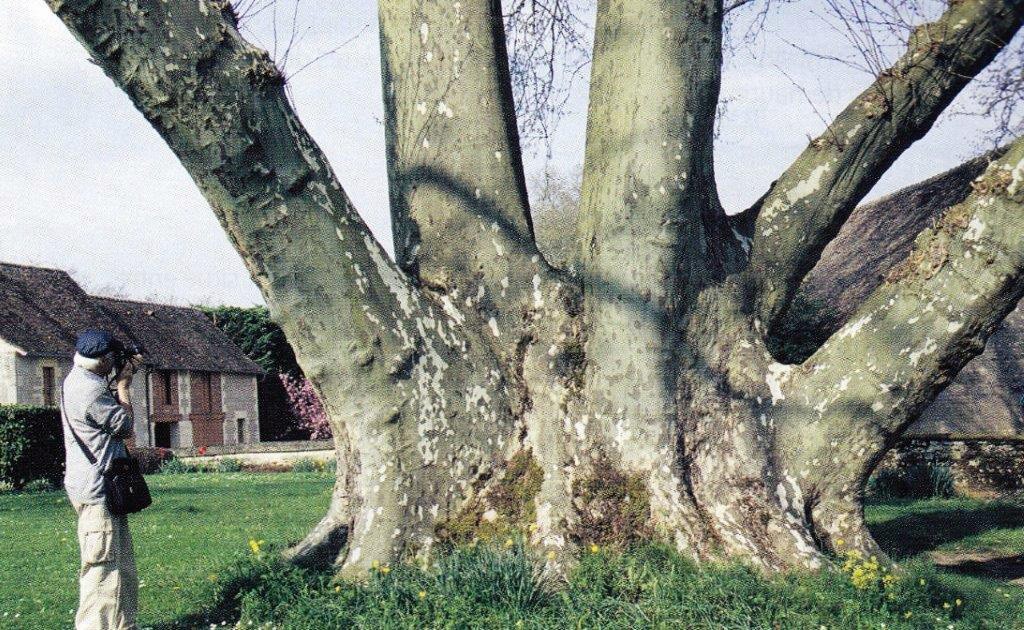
x=162 y=434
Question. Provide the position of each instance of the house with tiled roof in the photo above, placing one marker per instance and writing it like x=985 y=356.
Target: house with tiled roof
x=196 y=387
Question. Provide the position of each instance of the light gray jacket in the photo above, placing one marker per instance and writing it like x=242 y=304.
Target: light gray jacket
x=101 y=423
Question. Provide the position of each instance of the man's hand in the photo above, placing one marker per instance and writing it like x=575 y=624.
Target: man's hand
x=124 y=377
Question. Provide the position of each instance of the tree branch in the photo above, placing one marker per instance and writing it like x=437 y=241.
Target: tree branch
x=458 y=194
x=806 y=206
x=648 y=190
x=931 y=316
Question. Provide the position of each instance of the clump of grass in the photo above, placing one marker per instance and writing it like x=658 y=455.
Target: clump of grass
x=649 y=586
x=614 y=507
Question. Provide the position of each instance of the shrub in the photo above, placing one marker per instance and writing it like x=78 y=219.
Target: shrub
x=31 y=445
x=918 y=481
x=307 y=465
x=151 y=460
x=40 y=485
x=306 y=406
x=175 y=466
x=228 y=464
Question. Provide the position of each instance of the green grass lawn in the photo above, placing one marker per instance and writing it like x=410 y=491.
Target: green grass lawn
x=192 y=552
x=198 y=523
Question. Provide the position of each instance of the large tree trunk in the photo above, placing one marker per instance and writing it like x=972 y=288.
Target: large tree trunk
x=474 y=390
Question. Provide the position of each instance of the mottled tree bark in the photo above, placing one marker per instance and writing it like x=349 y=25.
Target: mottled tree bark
x=476 y=391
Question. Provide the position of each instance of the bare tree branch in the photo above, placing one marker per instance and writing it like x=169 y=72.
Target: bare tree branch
x=549 y=48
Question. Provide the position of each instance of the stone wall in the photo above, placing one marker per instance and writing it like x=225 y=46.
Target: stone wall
x=980 y=466
x=29 y=378
x=8 y=375
x=238 y=393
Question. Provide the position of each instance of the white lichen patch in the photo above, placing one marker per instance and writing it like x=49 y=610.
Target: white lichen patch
x=1017 y=178
x=926 y=348
x=390 y=277
x=801 y=190
x=974 y=229
x=776 y=378
x=538 y=297
x=493 y=324
x=743 y=241
x=851 y=329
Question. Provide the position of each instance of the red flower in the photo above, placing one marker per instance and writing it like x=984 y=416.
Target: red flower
x=202 y=450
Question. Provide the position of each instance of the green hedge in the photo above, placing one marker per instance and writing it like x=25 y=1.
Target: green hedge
x=31 y=445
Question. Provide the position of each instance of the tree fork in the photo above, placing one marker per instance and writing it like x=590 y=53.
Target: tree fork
x=811 y=200
x=909 y=339
x=396 y=371
x=459 y=205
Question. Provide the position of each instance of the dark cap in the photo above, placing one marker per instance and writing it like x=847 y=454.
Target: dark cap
x=96 y=343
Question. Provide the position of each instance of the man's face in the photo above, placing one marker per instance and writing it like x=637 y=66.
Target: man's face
x=106 y=365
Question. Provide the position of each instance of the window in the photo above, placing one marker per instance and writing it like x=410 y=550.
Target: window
x=49 y=378
x=241 y=430
x=167 y=387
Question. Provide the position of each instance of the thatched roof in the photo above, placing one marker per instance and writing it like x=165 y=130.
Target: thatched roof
x=984 y=400
x=42 y=312
x=177 y=337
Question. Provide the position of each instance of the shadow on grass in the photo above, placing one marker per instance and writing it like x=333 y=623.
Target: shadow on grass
x=992 y=566
x=918 y=532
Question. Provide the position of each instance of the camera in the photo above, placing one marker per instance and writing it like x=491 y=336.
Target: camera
x=123 y=354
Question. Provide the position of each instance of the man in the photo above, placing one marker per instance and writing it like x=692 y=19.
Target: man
x=108 y=584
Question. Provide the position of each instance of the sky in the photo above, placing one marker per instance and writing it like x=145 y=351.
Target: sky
x=88 y=186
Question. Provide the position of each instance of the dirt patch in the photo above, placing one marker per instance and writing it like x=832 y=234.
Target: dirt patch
x=987 y=564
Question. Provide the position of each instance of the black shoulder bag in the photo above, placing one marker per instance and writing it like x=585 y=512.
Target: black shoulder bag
x=123 y=482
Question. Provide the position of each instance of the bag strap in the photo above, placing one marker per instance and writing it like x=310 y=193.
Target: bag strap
x=85 y=449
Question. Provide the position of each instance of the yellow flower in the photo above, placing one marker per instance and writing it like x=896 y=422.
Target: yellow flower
x=959 y=602
x=922 y=581
x=509 y=542
x=840 y=542
x=908 y=615
x=213 y=577
x=422 y=594
x=385 y=569
x=946 y=605
x=375 y=564
x=552 y=555
x=594 y=548
x=255 y=546
x=337 y=589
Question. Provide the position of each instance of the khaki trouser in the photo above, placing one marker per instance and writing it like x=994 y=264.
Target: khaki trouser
x=108 y=585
